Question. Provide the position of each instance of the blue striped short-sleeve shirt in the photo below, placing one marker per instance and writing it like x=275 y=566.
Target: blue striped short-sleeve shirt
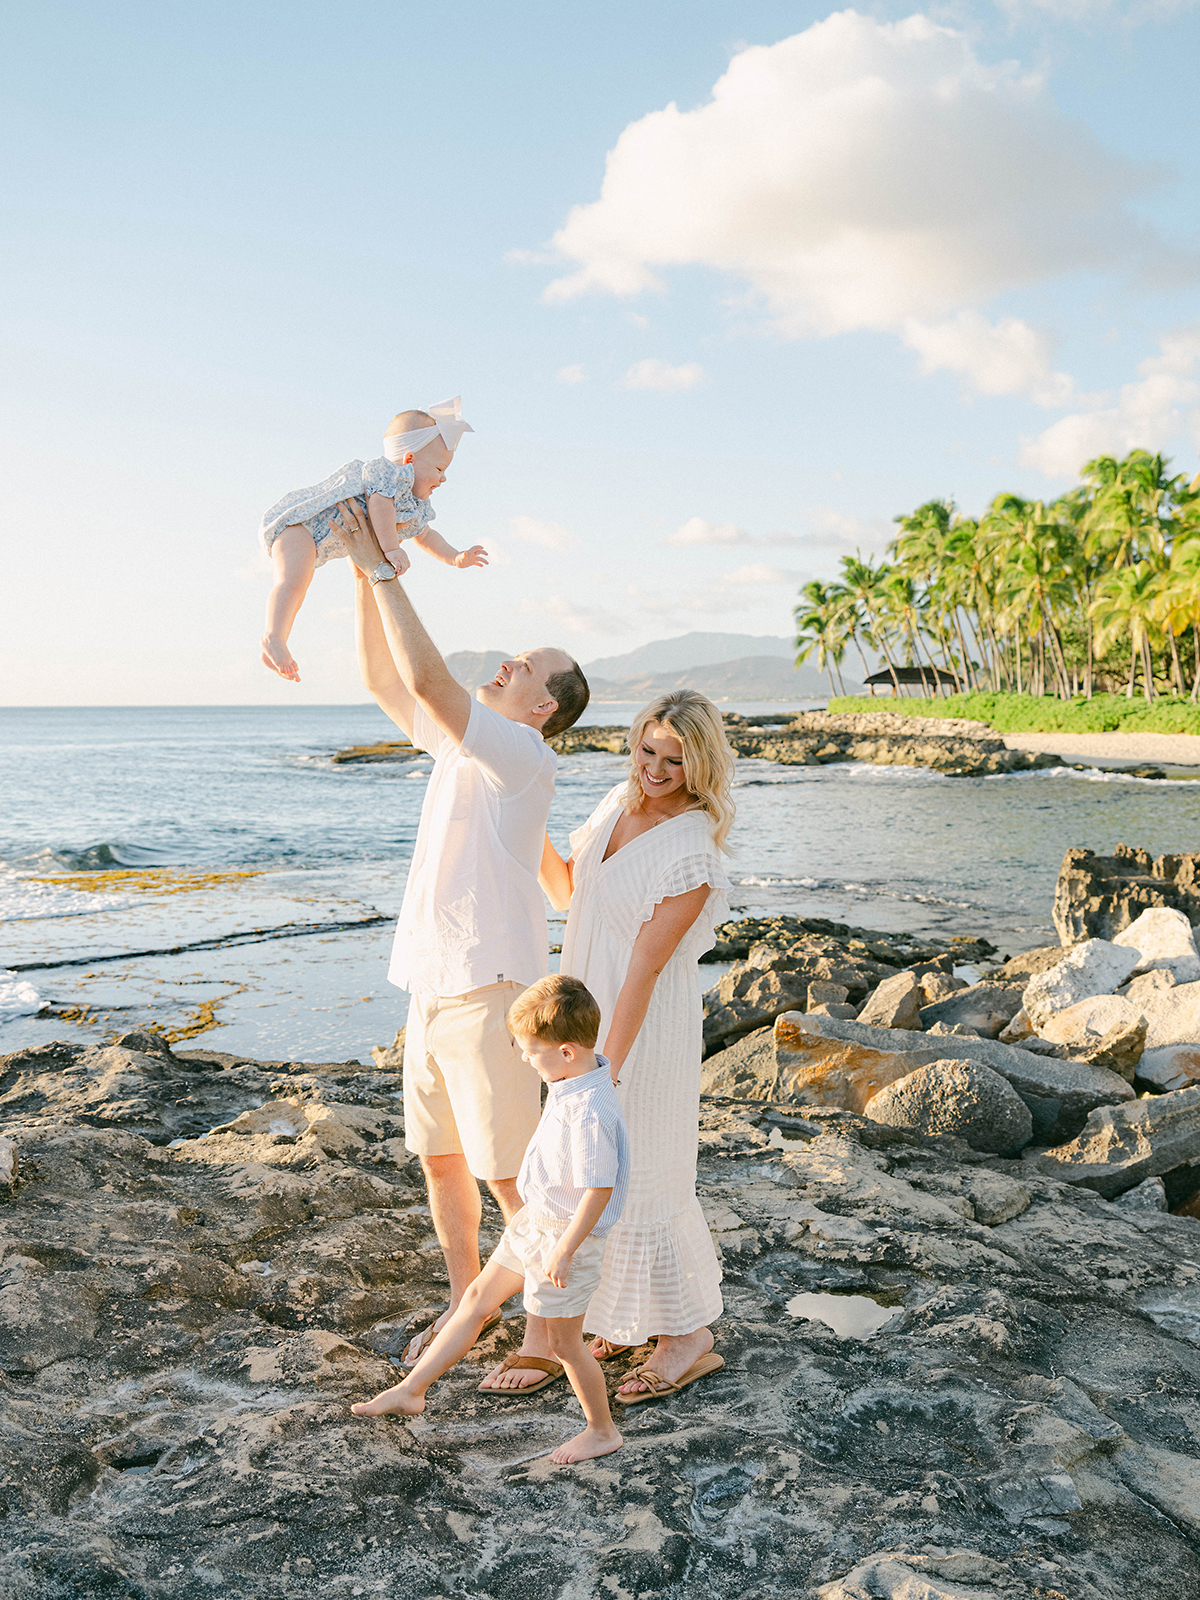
x=581 y=1143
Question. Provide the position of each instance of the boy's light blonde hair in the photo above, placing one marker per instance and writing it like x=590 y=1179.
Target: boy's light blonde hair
x=556 y=1010
x=708 y=762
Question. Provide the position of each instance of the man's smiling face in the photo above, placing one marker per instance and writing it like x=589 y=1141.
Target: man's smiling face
x=518 y=690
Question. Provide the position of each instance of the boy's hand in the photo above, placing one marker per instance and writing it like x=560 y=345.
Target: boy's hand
x=557 y=1264
x=476 y=556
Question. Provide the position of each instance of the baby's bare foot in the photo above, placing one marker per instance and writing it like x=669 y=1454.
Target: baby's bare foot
x=277 y=656
x=586 y=1445
x=392 y=1402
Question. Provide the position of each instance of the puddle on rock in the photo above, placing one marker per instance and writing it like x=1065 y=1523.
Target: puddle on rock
x=851 y=1316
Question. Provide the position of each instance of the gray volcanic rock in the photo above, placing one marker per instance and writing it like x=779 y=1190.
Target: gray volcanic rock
x=1097 y=897
x=896 y=1003
x=1093 y=968
x=183 y=1330
x=986 y=1007
x=1164 y=942
x=959 y=1097
x=1170 y=1066
x=771 y=981
x=822 y=1061
x=1122 y=1145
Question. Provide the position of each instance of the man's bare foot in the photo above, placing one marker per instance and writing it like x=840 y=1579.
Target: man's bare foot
x=277 y=656
x=391 y=1403
x=671 y=1358
x=586 y=1445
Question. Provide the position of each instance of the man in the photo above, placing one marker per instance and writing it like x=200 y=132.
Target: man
x=472 y=929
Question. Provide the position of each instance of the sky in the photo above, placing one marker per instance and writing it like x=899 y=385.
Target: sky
x=724 y=288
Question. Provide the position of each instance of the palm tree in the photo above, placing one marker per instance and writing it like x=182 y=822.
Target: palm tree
x=865 y=584
x=819 y=628
x=1125 y=603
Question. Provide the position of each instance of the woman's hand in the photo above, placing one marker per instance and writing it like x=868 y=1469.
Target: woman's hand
x=652 y=949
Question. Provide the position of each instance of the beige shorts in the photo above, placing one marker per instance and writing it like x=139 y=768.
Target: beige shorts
x=467 y=1089
x=525 y=1242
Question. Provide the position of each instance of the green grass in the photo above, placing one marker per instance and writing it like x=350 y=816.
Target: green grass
x=1021 y=713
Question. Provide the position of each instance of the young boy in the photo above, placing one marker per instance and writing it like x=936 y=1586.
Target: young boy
x=573 y=1182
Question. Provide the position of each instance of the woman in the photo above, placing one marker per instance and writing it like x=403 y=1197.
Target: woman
x=646 y=887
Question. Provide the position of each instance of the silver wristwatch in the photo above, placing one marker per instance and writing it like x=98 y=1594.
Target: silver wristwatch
x=382 y=573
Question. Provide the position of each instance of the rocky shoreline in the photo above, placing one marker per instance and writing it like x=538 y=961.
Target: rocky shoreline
x=953 y=747
x=962 y=1284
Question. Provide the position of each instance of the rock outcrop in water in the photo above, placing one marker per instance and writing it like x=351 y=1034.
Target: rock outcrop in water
x=185 y=1320
x=952 y=747
x=1097 y=897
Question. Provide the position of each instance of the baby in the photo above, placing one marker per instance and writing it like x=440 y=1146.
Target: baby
x=573 y=1181
x=392 y=492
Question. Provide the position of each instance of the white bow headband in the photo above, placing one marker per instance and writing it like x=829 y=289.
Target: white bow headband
x=447 y=415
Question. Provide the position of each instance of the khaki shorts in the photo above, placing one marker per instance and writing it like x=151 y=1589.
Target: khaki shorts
x=525 y=1242
x=467 y=1089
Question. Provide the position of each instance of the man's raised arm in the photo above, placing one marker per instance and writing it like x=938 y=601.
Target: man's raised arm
x=375 y=665
x=419 y=668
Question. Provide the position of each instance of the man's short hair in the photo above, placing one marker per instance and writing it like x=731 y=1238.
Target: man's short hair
x=556 y=1010
x=570 y=689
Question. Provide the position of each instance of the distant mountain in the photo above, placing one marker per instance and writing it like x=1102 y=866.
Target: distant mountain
x=689 y=650
x=764 y=677
x=759 y=675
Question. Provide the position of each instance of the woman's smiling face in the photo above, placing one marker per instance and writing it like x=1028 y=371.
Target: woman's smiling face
x=659 y=758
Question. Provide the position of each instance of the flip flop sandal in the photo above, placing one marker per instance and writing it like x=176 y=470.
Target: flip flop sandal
x=553 y=1370
x=657 y=1388
x=609 y=1350
x=425 y=1338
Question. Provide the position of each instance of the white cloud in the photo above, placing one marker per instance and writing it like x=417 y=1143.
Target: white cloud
x=654 y=374
x=1100 y=10
x=697 y=531
x=549 y=535
x=1149 y=414
x=758 y=573
x=573 y=616
x=572 y=375
x=1008 y=357
x=866 y=175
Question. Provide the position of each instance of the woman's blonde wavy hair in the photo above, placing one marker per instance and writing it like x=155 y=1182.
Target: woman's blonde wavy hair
x=708 y=762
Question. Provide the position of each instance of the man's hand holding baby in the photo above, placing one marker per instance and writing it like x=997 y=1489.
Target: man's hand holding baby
x=355 y=533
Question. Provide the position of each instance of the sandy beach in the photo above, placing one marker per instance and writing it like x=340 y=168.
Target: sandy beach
x=1174 y=749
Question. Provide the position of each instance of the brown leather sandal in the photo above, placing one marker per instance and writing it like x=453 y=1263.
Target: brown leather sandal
x=609 y=1350
x=425 y=1338
x=657 y=1388
x=553 y=1370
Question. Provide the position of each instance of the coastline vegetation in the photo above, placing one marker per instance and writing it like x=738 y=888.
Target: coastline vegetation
x=1022 y=713
x=1079 y=599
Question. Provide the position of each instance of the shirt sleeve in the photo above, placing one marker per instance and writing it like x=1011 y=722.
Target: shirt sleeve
x=594 y=1155
x=391 y=478
x=426 y=733
x=511 y=754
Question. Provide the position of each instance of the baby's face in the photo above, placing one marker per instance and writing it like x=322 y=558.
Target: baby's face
x=429 y=467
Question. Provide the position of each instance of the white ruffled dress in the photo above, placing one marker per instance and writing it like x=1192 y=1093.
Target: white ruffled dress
x=661 y=1273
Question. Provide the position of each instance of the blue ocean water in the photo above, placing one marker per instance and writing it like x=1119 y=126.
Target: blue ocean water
x=180 y=799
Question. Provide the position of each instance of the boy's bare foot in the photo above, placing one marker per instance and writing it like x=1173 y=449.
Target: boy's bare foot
x=391 y=1403
x=277 y=656
x=585 y=1446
